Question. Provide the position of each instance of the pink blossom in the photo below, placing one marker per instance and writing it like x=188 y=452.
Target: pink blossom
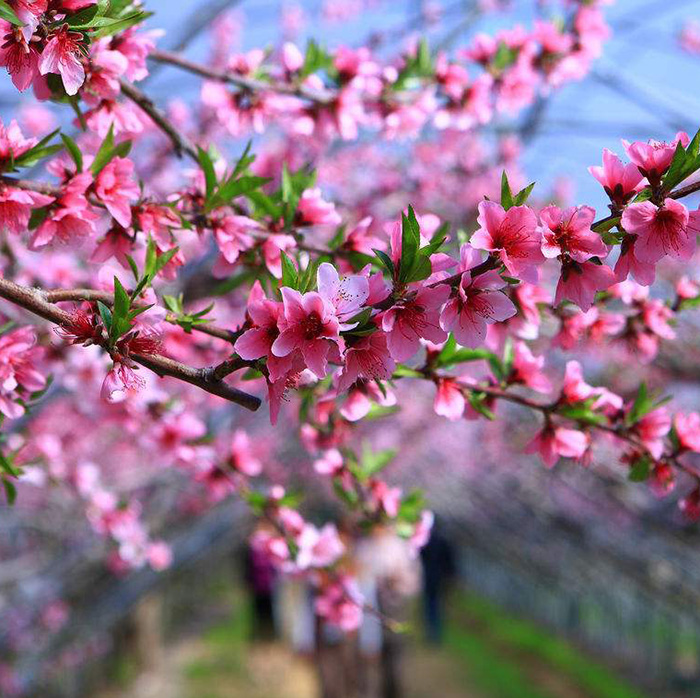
x=655 y=157
x=621 y=182
x=421 y=532
x=330 y=463
x=313 y=210
x=340 y=604
x=159 y=555
x=72 y=219
x=579 y=283
x=19 y=57
x=318 y=548
x=233 y=235
x=527 y=369
x=16 y=208
x=366 y=358
x=116 y=188
x=629 y=265
x=553 y=443
x=478 y=303
x=660 y=230
x=449 y=399
x=309 y=325
x=242 y=458
x=116 y=243
x=363 y=393
x=651 y=430
x=569 y=233
x=512 y=236
x=388 y=498
x=13 y=143
x=62 y=55
x=19 y=375
x=346 y=295
x=120 y=383
x=688 y=430
x=413 y=319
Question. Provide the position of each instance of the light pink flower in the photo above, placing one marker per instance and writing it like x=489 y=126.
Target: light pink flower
x=19 y=374
x=660 y=230
x=233 y=235
x=242 y=458
x=553 y=443
x=315 y=211
x=478 y=303
x=19 y=57
x=413 y=319
x=62 y=55
x=527 y=369
x=330 y=463
x=116 y=188
x=340 y=604
x=309 y=325
x=120 y=383
x=318 y=548
x=688 y=430
x=346 y=295
x=629 y=265
x=513 y=236
x=449 y=399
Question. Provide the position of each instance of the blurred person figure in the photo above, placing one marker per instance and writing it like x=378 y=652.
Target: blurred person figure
x=388 y=576
x=439 y=570
x=260 y=579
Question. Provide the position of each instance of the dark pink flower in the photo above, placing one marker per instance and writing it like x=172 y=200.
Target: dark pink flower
x=414 y=318
x=569 y=233
x=654 y=157
x=688 y=430
x=16 y=208
x=553 y=443
x=621 y=182
x=62 y=55
x=479 y=302
x=579 y=283
x=512 y=236
x=116 y=188
x=368 y=358
x=309 y=324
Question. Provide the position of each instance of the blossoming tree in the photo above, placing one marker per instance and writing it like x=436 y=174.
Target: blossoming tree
x=157 y=270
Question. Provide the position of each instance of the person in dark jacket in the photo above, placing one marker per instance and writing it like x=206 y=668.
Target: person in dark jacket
x=439 y=569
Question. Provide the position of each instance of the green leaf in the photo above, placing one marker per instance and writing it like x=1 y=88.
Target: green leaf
x=106 y=315
x=410 y=244
x=478 y=401
x=685 y=162
x=523 y=195
x=205 y=162
x=506 y=193
x=10 y=489
x=9 y=15
x=290 y=276
x=104 y=154
x=402 y=371
x=641 y=469
x=386 y=262
x=73 y=151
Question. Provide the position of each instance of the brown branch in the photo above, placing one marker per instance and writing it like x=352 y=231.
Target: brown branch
x=180 y=141
x=252 y=85
x=34 y=300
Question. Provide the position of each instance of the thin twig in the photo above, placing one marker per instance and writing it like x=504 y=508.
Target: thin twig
x=35 y=302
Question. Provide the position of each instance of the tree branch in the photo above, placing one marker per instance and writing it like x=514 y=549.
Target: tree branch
x=34 y=300
x=181 y=143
